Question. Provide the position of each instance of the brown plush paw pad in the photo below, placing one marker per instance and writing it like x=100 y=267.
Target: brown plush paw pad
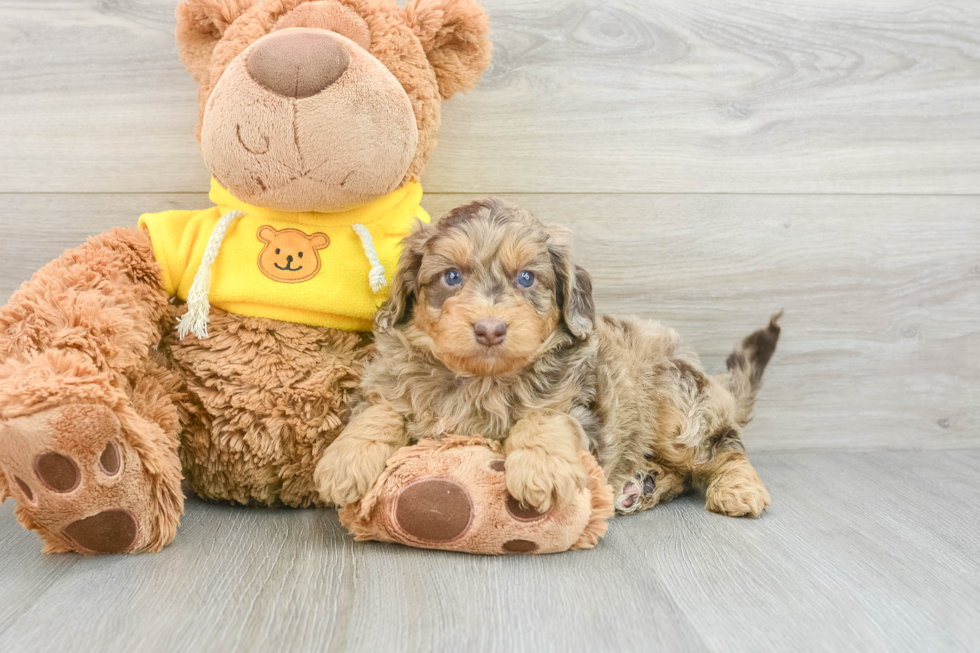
x=523 y=513
x=58 y=472
x=25 y=488
x=520 y=546
x=434 y=510
x=110 y=461
x=111 y=531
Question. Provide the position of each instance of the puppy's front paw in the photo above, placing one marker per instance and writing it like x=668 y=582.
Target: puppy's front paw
x=737 y=497
x=537 y=479
x=346 y=473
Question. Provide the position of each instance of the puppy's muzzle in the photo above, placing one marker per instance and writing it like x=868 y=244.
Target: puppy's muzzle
x=489 y=332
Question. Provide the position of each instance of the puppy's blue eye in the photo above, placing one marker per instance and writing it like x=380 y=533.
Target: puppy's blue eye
x=525 y=279
x=453 y=278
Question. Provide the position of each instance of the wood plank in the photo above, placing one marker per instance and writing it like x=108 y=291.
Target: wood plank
x=784 y=96
x=25 y=575
x=881 y=345
x=859 y=552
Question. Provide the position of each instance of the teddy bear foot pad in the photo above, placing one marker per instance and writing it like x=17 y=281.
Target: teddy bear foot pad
x=77 y=483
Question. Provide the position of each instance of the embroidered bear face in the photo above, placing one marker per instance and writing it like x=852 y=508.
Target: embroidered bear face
x=289 y=255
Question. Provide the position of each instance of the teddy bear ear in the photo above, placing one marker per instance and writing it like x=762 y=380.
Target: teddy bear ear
x=454 y=36
x=200 y=25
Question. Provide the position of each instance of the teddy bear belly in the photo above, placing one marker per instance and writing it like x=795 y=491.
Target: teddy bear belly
x=263 y=400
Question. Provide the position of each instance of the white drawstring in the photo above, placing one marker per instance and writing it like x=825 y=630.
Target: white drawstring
x=376 y=277
x=195 y=320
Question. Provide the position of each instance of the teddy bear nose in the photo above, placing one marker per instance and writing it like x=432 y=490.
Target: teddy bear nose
x=489 y=331
x=298 y=64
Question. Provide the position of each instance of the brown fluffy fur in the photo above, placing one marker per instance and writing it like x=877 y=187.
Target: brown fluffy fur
x=623 y=387
x=80 y=333
x=435 y=48
x=247 y=413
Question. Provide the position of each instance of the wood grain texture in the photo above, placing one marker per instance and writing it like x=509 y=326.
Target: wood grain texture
x=859 y=552
x=866 y=96
x=881 y=340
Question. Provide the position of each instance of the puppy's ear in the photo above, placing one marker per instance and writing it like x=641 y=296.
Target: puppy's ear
x=573 y=285
x=405 y=286
x=200 y=25
x=454 y=36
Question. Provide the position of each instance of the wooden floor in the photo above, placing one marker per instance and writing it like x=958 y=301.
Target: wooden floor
x=717 y=160
x=876 y=551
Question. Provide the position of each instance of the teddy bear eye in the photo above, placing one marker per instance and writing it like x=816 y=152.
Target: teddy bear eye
x=525 y=279
x=301 y=254
x=277 y=250
x=453 y=278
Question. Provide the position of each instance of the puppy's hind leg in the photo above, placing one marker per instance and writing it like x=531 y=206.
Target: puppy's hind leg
x=731 y=485
x=648 y=485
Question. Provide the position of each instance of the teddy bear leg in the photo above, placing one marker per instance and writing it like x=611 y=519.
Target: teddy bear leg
x=452 y=494
x=88 y=426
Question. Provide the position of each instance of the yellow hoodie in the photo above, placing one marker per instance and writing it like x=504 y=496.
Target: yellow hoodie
x=311 y=268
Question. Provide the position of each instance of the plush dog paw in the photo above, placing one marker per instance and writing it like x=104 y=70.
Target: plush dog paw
x=451 y=494
x=537 y=479
x=737 y=496
x=348 y=470
x=77 y=482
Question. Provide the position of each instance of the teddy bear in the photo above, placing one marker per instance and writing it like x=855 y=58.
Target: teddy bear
x=223 y=346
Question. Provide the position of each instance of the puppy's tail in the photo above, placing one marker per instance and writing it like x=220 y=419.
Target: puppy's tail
x=746 y=365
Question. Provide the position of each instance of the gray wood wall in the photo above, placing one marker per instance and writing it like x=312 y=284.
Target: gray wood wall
x=718 y=160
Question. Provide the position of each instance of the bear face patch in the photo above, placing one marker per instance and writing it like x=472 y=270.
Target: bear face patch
x=289 y=255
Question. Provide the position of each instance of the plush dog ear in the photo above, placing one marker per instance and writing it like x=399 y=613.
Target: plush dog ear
x=573 y=285
x=454 y=36
x=200 y=25
x=405 y=285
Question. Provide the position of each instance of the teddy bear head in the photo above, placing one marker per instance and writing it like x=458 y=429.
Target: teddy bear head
x=321 y=105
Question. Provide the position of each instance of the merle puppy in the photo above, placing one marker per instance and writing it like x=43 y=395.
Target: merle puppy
x=491 y=330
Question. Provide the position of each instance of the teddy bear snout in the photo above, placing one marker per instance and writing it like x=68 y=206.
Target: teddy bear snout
x=298 y=64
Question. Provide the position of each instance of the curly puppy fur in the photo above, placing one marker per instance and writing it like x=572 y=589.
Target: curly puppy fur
x=558 y=379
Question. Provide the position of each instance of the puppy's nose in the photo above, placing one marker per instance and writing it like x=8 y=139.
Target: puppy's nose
x=489 y=331
x=298 y=64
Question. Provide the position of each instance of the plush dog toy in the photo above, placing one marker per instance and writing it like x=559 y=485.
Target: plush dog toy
x=451 y=494
x=224 y=344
